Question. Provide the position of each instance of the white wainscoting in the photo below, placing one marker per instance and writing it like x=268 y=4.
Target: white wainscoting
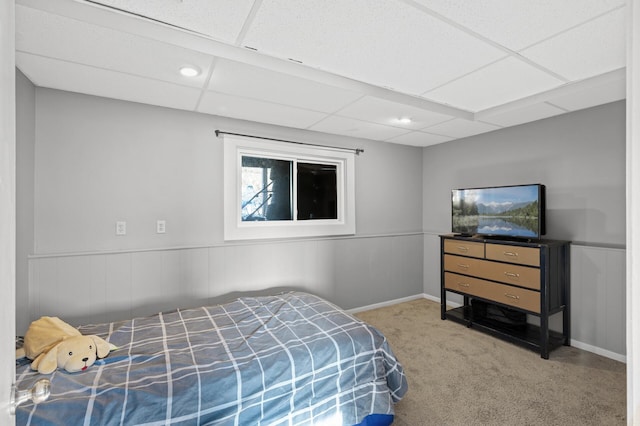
x=351 y=272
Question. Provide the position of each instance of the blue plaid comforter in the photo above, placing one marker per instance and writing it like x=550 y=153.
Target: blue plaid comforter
x=291 y=359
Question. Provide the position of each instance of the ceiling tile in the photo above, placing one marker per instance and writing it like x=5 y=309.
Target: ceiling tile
x=347 y=49
x=419 y=139
x=386 y=42
x=517 y=24
x=45 y=72
x=590 y=49
x=460 y=128
x=596 y=95
x=239 y=79
x=388 y=113
x=496 y=84
x=523 y=115
x=356 y=128
x=220 y=19
x=58 y=37
x=255 y=110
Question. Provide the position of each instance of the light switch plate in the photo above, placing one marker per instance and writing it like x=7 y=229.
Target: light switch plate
x=121 y=227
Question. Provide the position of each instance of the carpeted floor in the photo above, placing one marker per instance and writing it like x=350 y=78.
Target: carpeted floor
x=459 y=376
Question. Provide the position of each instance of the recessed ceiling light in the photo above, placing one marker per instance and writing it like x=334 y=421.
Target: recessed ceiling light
x=404 y=120
x=189 y=71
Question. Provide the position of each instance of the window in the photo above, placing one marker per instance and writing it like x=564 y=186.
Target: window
x=279 y=190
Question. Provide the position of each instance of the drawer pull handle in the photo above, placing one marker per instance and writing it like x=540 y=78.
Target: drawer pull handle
x=463 y=248
x=512 y=296
x=463 y=284
x=460 y=265
x=510 y=253
x=512 y=275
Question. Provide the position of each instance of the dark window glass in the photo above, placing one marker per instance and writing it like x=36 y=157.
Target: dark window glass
x=317 y=191
x=266 y=189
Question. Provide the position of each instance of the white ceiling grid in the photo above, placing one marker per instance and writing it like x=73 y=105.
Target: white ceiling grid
x=257 y=110
x=220 y=19
x=596 y=95
x=377 y=110
x=369 y=41
x=533 y=112
x=348 y=67
x=501 y=82
x=460 y=128
x=518 y=24
x=590 y=49
x=239 y=79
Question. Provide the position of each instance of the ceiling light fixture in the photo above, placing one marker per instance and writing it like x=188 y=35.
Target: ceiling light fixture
x=189 y=71
x=404 y=120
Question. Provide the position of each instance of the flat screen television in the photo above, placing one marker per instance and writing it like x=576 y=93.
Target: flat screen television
x=515 y=211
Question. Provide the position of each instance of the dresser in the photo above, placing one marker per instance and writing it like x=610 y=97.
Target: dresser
x=514 y=280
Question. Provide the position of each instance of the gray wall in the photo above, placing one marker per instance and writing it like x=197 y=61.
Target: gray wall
x=98 y=161
x=580 y=157
x=25 y=157
x=95 y=161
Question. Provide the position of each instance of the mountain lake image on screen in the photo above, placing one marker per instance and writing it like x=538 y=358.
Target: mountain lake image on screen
x=513 y=211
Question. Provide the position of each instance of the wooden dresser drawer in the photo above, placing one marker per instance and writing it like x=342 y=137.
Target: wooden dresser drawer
x=514 y=254
x=505 y=294
x=523 y=276
x=463 y=265
x=464 y=248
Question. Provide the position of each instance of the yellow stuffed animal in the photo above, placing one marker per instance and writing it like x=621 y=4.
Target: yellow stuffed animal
x=52 y=343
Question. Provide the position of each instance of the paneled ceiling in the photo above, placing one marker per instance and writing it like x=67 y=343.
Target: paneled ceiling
x=453 y=68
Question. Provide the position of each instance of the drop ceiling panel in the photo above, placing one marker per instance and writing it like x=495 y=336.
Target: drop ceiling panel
x=347 y=48
x=51 y=73
x=239 y=79
x=388 y=113
x=356 y=128
x=590 y=49
x=220 y=19
x=255 y=110
x=460 y=128
x=386 y=42
x=78 y=42
x=496 y=84
x=597 y=95
x=517 y=24
x=419 y=139
x=523 y=115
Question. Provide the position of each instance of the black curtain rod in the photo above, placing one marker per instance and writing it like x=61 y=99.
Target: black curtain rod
x=356 y=150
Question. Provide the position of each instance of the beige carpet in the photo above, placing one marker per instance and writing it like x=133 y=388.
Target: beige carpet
x=459 y=376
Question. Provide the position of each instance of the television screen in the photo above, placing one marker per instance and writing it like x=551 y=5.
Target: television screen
x=513 y=211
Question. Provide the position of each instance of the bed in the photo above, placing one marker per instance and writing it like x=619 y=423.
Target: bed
x=288 y=359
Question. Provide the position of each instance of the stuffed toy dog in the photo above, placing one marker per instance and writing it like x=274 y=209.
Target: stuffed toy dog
x=52 y=343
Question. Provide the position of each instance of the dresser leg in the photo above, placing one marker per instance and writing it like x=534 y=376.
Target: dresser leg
x=544 y=336
x=566 y=326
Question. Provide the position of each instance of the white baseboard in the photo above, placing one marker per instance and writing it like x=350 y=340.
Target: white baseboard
x=599 y=351
x=430 y=297
x=575 y=343
x=388 y=303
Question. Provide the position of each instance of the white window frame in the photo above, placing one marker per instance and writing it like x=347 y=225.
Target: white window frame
x=235 y=229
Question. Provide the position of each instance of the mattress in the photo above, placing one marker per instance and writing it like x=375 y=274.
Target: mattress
x=288 y=359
